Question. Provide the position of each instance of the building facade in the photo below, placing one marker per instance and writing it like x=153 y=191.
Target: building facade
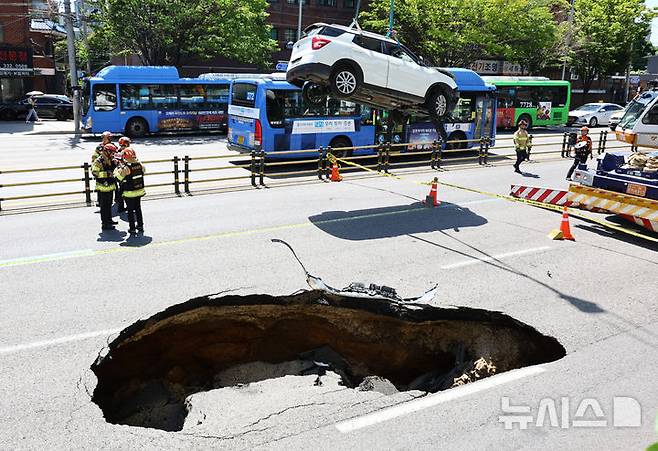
x=27 y=42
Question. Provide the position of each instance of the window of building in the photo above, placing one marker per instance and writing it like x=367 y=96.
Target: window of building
x=290 y=35
x=11 y=89
x=327 y=2
x=2 y=33
x=348 y=3
x=274 y=33
x=296 y=2
x=105 y=97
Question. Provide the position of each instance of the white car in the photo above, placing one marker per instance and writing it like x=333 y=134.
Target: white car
x=615 y=118
x=349 y=63
x=593 y=114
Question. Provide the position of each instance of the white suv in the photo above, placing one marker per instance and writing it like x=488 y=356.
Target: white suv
x=368 y=68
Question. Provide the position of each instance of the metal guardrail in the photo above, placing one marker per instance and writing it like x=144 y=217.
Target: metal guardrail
x=257 y=164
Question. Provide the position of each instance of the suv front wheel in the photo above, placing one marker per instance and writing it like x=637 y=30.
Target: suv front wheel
x=438 y=103
x=344 y=82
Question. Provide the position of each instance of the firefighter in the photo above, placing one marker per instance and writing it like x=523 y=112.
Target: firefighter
x=583 y=149
x=105 y=184
x=130 y=174
x=106 y=138
x=521 y=141
x=124 y=142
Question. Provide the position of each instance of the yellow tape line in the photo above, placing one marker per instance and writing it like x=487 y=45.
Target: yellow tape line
x=573 y=213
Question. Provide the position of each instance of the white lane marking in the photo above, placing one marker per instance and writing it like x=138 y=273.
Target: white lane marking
x=477 y=260
x=46 y=257
x=57 y=341
x=432 y=400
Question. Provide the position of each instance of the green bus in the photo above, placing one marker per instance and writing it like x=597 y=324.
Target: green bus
x=537 y=100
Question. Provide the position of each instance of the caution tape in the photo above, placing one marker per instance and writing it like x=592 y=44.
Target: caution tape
x=533 y=203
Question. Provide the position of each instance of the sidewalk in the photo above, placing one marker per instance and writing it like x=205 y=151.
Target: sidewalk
x=46 y=127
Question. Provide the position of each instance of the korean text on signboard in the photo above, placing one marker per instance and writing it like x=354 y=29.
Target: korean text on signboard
x=16 y=62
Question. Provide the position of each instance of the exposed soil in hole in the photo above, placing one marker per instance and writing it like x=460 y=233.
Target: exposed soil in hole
x=373 y=344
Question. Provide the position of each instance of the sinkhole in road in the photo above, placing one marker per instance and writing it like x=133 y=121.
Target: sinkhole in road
x=147 y=373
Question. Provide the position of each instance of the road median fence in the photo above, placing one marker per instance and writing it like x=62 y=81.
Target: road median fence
x=184 y=176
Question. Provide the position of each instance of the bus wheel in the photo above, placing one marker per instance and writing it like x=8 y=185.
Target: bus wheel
x=338 y=143
x=527 y=119
x=314 y=93
x=457 y=136
x=137 y=128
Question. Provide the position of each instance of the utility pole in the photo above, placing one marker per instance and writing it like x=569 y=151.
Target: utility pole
x=70 y=38
x=82 y=19
x=299 y=20
x=569 y=32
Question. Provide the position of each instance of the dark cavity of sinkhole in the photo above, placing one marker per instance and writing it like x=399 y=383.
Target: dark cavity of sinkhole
x=149 y=370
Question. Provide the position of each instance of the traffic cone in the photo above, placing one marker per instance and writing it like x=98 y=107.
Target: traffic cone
x=564 y=232
x=564 y=226
x=431 y=199
x=335 y=175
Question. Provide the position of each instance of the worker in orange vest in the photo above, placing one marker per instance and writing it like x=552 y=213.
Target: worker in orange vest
x=583 y=149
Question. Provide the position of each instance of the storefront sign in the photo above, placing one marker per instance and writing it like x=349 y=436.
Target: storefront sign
x=495 y=67
x=180 y=120
x=16 y=62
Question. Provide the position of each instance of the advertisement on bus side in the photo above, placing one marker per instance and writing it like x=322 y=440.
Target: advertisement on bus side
x=182 y=120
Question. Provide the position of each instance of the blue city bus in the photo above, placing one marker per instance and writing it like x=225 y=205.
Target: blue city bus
x=138 y=100
x=473 y=117
x=267 y=113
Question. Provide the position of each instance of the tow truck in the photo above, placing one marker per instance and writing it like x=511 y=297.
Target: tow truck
x=624 y=182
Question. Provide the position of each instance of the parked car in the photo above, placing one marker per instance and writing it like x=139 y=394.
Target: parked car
x=54 y=106
x=593 y=114
x=368 y=68
x=615 y=118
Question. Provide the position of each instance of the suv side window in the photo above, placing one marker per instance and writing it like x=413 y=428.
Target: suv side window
x=397 y=51
x=368 y=43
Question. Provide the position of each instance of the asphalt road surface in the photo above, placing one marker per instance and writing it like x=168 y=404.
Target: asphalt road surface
x=67 y=289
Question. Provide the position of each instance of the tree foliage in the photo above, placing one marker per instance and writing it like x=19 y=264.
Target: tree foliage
x=162 y=32
x=457 y=32
x=607 y=35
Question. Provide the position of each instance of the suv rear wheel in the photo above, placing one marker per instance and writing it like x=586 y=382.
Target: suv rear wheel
x=344 y=82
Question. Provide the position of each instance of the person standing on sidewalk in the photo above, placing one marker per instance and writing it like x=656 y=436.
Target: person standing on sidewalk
x=31 y=102
x=130 y=174
x=124 y=142
x=521 y=140
x=583 y=149
x=106 y=138
x=102 y=171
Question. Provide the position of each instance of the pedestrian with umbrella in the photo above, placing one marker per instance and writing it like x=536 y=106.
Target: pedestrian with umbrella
x=31 y=102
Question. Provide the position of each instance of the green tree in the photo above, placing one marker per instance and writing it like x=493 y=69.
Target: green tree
x=607 y=35
x=457 y=32
x=162 y=32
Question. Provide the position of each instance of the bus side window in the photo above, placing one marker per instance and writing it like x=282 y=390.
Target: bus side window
x=651 y=118
x=105 y=97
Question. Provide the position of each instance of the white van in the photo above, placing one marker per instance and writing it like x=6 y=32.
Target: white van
x=639 y=125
